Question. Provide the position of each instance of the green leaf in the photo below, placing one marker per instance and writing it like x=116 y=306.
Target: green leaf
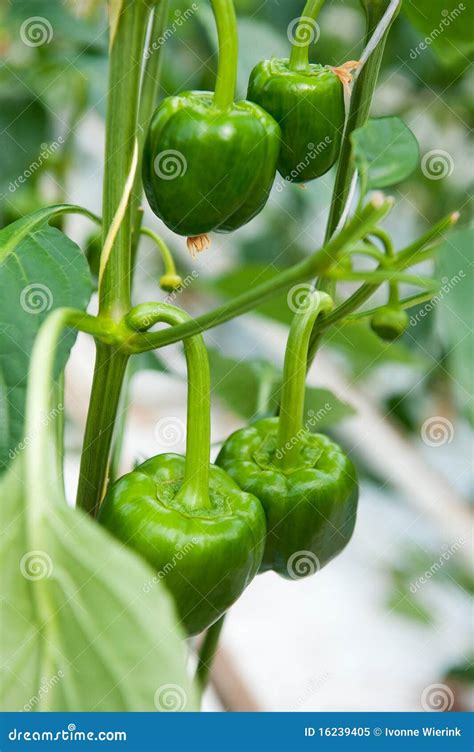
x=454 y=310
x=242 y=384
x=86 y=625
x=251 y=389
x=446 y=26
x=40 y=270
x=25 y=128
x=323 y=409
x=386 y=151
x=106 y=637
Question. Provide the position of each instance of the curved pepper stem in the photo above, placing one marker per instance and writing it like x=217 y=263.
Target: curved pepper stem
x=170 y=279
x=226 y=22
x=194 y=492
x=304 y=35
x=290 y=424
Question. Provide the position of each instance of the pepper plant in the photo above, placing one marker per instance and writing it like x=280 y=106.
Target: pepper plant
x=83 y=589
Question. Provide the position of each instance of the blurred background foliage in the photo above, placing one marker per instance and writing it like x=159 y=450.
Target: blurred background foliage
x=48 y=92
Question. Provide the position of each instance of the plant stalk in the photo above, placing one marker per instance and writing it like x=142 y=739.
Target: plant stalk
x=304 y=35
x=290 y=423
x=226 y=22
x=207 y=653
x=121 y=151
x=361 y=101
x=194 y=492
x=109 y=372
x=125 y=69
x=315 y=264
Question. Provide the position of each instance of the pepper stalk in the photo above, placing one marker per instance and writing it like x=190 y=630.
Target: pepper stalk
x=194 y=492
x=290 y=424
x=304 y=35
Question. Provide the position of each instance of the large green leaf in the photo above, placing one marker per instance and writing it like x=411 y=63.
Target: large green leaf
x=24 y=133
x=454 y=310
x=386 y=151
x=40 y=269
x=86 y=624
x=105 y=636
x=446 y=26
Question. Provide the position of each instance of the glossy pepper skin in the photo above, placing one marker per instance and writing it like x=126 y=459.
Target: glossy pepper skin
x=205 y=556
x=309 y=107
x=310 y=510
x=200 y=532
x=207 y=169
x=305 y=482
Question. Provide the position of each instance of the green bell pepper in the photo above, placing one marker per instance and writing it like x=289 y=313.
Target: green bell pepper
x=307 y=101
x=209 y=163
x=305 y=482
x=389 y=323
x=201 y=533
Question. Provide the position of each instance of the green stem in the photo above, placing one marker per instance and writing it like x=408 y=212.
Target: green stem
x=194 y=492
x=226 y=22
x=290 y=423
x=381 y=275
x=120 y=147
x=165 y=253
x=304 y=35
x=361 y=100
x=434 y=234
x=317 y=263
x=118 y=436
x=403 y=259
x=385 y=239
x=207 y=653
x=148 y=98
x=405 y=303
x=109 y=371
x=379 y=18
x=121 y=151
